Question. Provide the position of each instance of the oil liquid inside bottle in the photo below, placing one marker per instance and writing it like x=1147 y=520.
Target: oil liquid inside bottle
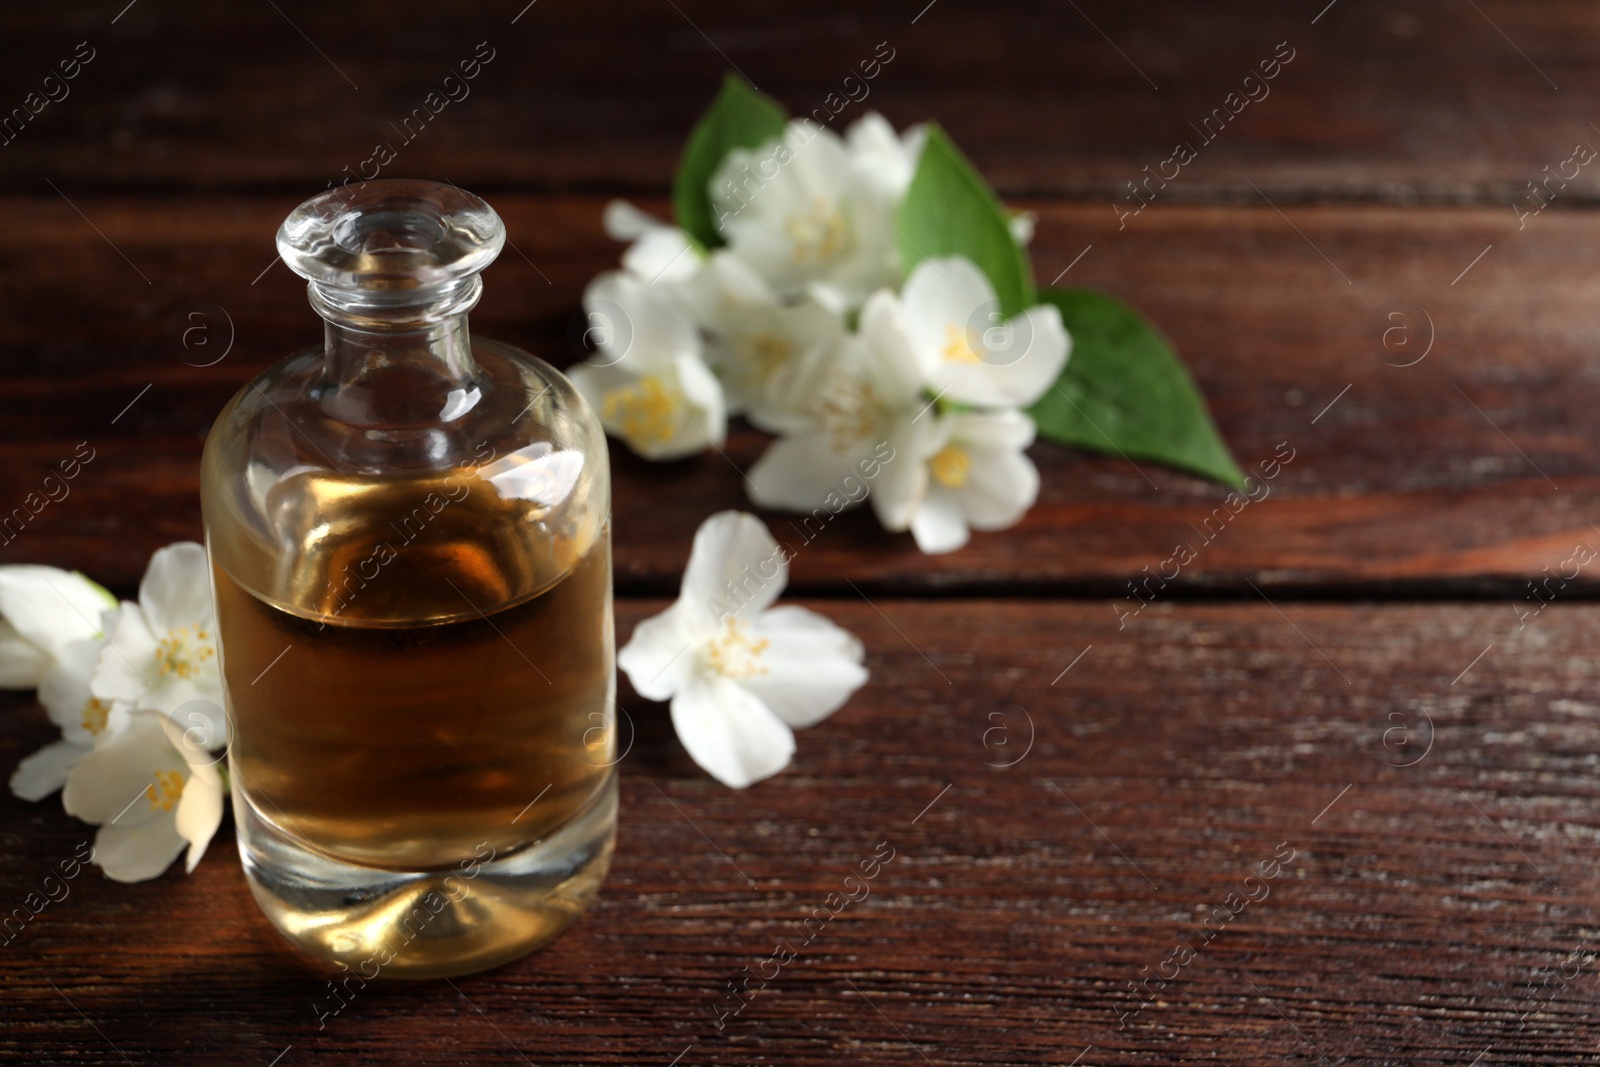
x=409 y=533
x=396 y=712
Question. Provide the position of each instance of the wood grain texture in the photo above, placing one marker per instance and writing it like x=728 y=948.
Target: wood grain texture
x=1417 y=100
x=1177 y=754
x=1469 y=470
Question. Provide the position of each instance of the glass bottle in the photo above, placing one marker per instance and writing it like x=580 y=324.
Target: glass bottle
x=409 y=531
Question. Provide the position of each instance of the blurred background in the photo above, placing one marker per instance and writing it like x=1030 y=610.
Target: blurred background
x=1310 y=245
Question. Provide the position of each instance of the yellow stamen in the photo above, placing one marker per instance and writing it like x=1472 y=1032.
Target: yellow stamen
x=732 y=653
x=766 y=353
x=951 y=466
x=95 y=712
x=183 y=650
x=818 y=235
x=164 y=792
x=850 y=412
x=959 y=346
x=646 y=411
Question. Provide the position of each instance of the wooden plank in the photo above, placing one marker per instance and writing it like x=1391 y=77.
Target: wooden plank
x=1174 y=756
x=1470 y=470
x=1437 y=100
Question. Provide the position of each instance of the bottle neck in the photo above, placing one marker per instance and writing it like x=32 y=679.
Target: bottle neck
x=397 y=360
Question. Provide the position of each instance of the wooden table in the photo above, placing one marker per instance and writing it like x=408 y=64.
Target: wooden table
x=1343 y=676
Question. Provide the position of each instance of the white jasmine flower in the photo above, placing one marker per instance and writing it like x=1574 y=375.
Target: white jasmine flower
x=979 y=478
x=794 y=210
x=648 y=382
x=45 y=771
x=148 y=799
x=65 y=693
x=52 y=625
x=953 y=319
x=753 y=336
x=21 y=661
x=868 y=422
x=162 y=656
x=1022 y=224
x=884 y=161
x=674 y=410
x=872 y=424
x=43 y=611
x=660 y=253
x=741 y=674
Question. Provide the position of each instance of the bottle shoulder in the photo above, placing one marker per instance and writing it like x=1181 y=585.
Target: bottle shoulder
x=394 y=418
x=466 y=500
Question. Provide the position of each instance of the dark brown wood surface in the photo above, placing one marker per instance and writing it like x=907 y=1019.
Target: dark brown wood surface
x=1421 y=100
x=1341 y=672
x=1176 y=755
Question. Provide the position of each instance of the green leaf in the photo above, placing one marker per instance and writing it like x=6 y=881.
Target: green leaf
x=950 y=210
x=1125 y=391
x=740 y=117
